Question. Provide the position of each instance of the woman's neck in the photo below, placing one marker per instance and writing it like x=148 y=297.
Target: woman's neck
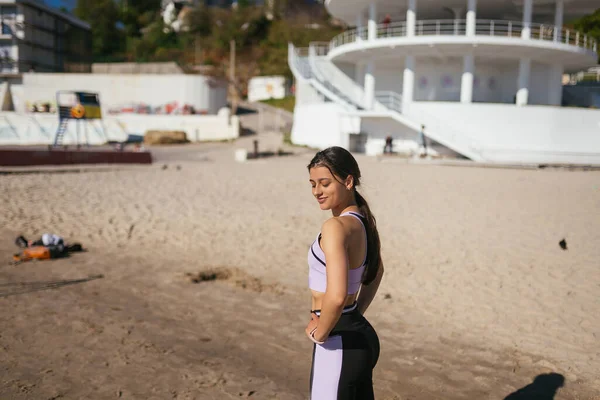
x=345 y=208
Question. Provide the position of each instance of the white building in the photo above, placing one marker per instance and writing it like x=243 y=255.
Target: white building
x=266 y=87
x=36 y=37
x=484 y=78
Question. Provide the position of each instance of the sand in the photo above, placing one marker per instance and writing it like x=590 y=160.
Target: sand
x=478 y=297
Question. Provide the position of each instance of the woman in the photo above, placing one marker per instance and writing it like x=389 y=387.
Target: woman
x=342 y=260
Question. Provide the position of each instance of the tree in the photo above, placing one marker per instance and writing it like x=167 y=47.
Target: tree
x=103 y=16
x=590 y=25
x=137 y=14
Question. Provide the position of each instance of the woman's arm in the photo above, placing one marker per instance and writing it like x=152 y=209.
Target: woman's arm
x=333 y=243
x=367 y=292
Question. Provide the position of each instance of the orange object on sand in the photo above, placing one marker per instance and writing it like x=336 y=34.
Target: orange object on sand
x=34 y=252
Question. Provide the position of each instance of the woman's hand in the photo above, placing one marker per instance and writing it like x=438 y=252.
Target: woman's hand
x=312 y=324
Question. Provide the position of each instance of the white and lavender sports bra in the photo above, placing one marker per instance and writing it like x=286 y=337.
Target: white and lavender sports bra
x=317 y=278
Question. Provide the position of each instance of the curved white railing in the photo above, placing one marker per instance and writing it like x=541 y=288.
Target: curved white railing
x=483 y=27
x=313 y=65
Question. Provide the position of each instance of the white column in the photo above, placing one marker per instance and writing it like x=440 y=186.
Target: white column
x=372 y=25
x=558 y=20
x=411 y=17
x=527 y=11
x=359 y=73
x=471 y=17
x=369 y=85
x=466 y=83
x=555 y=88
x=408 y=82
x=523 y=82
x=359 y=26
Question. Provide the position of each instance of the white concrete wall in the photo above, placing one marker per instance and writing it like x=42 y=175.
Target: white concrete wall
x=508 y=133
x=25 y=128
x=306 y=94
x=323 y=125
x=347 y=68
x=441 y=80
x=377 y=129
x=542 y=84
x=388 y=78
x=202 y=92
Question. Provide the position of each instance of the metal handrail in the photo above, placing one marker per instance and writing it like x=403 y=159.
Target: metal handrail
x=298 y=59
x=390 y=100
x=332 y=78
x=483 y=27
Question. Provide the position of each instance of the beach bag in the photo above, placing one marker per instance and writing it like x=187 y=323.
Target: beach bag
x=33 y=253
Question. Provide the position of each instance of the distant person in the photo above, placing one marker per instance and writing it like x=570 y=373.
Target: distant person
x=388 y=145
x=387 y=21
x=343 y=260
x=423 y=141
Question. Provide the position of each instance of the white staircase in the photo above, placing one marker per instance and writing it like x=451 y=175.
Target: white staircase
x=298 y=61
x=313 y=65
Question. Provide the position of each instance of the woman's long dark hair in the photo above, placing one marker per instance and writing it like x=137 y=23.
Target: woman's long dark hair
x=342 y=164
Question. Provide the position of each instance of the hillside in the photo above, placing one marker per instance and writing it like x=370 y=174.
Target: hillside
x=198 y=37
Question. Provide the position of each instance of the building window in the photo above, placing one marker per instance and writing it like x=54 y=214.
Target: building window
x=6 y=29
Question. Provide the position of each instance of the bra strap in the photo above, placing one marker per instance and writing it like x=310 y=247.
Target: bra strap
x=360 y=218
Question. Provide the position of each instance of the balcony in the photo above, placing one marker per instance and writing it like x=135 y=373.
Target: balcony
x=503 y=31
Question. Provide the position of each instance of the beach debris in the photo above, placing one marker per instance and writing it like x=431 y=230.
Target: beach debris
x=387 y=296
x=47 y=247
x=165 y=166
x=241 y=155
x=235 y=276
x=247 y=394
x=563 y=244
x=130 y=231
x=165 y=137
x=178 y=167
x=209 y=275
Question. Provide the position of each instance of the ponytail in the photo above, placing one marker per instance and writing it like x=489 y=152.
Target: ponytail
x=373 y=243
x=342 y=164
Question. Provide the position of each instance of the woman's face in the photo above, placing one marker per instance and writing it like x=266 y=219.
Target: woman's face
x=328 y=191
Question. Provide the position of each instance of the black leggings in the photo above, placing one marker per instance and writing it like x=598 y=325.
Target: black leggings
x=342 y=367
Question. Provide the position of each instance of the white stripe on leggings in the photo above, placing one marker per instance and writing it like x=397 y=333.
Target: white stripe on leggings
x=327 y=369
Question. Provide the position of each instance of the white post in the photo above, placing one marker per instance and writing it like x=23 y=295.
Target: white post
x=359 y=25
x=408 y=85
x=411 y=17
x=471 y=17
x=555 y=85
x=359 y=73
x=369 y=85
x=523 y=82
x=527 y=11
x=466 y=84
x=372 y=25
x=558 y=20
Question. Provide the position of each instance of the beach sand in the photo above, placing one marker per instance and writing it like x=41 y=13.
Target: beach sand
x=477 y=300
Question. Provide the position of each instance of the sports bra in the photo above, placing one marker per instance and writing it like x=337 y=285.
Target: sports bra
x=317 y=278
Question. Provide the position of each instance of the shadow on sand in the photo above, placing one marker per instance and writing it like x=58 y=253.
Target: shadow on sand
x=15 y=288
x=266 y=154
x=543 y=387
